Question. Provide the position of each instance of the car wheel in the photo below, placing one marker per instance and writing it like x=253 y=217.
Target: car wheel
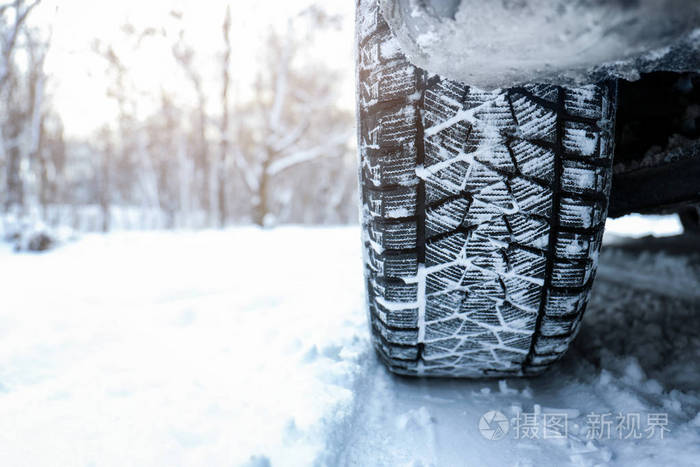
x=482 y=213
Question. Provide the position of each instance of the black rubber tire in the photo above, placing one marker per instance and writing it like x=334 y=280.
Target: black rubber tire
x=690 y=219
x=482 y=213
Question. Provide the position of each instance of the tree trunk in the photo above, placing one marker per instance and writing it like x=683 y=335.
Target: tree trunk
x=223 y=162
x=104 y=187
x=15 y=189
x=261 y=204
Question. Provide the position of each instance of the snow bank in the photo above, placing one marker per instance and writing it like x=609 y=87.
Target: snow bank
x=493 y=44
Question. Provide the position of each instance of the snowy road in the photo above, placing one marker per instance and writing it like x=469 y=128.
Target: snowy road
x=250 y=347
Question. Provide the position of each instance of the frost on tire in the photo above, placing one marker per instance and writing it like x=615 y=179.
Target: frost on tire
x=483 y=213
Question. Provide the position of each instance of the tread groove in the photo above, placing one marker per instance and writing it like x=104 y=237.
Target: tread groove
x=554 y=227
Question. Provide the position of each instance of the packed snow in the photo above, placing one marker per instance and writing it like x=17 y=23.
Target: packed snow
x=503 y=43
x=251 y=347
x=637 y=226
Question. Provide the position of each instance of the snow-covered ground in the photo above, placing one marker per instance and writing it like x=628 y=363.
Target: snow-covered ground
x=251 y=347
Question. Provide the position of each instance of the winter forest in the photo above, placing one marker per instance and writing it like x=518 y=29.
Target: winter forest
x=228 y=129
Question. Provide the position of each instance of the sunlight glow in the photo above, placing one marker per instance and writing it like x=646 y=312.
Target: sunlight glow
x=79 y=81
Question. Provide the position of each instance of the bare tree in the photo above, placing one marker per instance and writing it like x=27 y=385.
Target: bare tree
x=134 y=179
x=224 y=137
x=52 y=164
x=296 y=120
x=104 y=176
x=22 y=91
x=115 y=163
x=166 y=150
x=13 y=16
x=184 y=54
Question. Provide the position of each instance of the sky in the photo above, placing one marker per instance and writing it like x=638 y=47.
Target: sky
x=78 y=79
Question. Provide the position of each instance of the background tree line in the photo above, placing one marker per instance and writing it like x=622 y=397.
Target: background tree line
x=277 y=150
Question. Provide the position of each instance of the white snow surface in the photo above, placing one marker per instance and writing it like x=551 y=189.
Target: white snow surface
x=501 y=43
x=250 y=347
x=184 y=349
x=637 y=226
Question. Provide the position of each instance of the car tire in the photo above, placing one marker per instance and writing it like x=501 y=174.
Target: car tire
x=482 y=213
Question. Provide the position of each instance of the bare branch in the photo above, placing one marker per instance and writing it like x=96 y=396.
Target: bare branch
x=300 y=157
x=291 y=138
x=10 y=41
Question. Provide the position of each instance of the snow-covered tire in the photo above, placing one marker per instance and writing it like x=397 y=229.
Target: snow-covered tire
x=483 y=213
